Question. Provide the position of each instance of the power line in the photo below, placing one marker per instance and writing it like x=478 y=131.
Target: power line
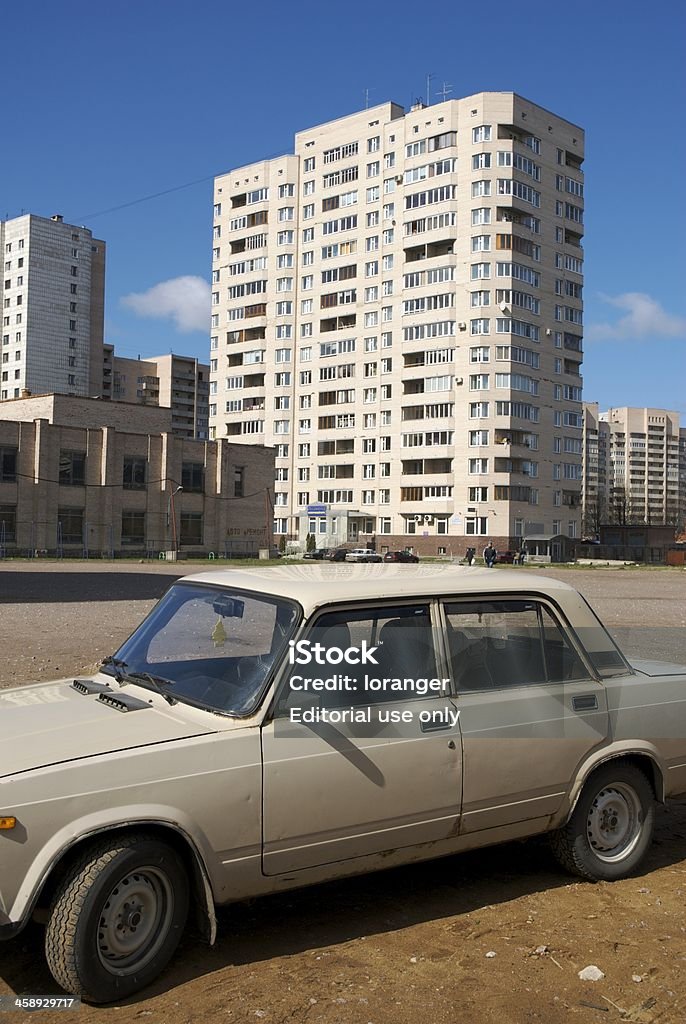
x=144 y=199
x=149 y=483
x=164 y=192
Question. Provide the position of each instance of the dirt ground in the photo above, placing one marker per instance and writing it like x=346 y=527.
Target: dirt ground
x=497 y=935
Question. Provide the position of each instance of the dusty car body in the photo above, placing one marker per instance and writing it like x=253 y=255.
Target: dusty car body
x=363 y=555
x=264 y=730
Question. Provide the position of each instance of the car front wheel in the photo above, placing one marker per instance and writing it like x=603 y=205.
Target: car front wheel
x=611 y=829
x=117 y=918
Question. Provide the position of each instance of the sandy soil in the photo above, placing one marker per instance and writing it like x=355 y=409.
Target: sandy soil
x=404 y=945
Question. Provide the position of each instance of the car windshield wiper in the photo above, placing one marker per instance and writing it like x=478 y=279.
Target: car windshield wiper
x=156 y=682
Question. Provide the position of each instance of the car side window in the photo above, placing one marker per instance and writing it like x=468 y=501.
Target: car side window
x=400 y=640
x=495 y=644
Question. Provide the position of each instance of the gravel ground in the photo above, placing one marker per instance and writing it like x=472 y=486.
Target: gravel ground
x=498 y=935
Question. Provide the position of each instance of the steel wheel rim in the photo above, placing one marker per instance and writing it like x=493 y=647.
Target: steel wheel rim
x=134 y=920
x=614 y=822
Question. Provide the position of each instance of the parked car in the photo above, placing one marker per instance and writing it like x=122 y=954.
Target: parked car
x=337 y=554
x=363 y=555
x=400 y=556
x=317 y=554
x=269 y=714
x=508 y=557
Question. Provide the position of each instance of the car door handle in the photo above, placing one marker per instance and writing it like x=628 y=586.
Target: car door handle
x=434 y=726
x=585 y=702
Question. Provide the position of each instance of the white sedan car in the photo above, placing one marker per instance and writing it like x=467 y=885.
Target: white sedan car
x=273 y=728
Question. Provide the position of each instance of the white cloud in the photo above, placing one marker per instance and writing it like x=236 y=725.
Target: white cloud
x=185 y=300
x=644 y=318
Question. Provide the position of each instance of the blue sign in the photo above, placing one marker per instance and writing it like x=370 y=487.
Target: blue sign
x=316 y=510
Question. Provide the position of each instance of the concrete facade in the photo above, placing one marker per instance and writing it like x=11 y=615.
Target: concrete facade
x=397 y=307
x=180 y=383
x=634 y=467
x=52 y=294
x=83 y=476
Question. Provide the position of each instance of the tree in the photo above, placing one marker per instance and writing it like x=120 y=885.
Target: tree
x=311 y=542
x=595 y=515
x=282 y=543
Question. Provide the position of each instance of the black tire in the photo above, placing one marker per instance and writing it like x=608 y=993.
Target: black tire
x=117 y=918
x=611 y=828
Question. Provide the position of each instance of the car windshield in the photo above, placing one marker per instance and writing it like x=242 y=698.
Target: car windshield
x=210 y=646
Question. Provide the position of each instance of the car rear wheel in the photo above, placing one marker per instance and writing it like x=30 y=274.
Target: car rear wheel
x=611 y=828
x=117 y=918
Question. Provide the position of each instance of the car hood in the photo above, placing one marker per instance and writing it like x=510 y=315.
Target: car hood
x=53 y=722
x=657 y=668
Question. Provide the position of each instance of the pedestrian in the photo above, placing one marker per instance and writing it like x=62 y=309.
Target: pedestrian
x=523 y=551
x=490 y=555
x=471 y=554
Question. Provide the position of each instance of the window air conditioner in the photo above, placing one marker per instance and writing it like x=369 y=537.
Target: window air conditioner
x=428 y=519
x=418 y=519
x=462 y=325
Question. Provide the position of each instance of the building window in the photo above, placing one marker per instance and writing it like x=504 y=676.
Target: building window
x=72 y=468
x=239 y=482
x=193 y=478
x=70 y=525
x=476 y=526
x=191 y=527
x=135 y=472
x=133 y=528
x=8 y=465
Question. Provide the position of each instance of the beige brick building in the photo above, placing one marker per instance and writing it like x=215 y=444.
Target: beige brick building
x=397 y=307
x=634 y=467
x=84 y=476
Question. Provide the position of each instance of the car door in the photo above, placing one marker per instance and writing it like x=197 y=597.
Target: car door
x=530 y=708
x=351 y=786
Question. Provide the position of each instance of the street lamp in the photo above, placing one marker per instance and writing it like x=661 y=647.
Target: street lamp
x=171 y=512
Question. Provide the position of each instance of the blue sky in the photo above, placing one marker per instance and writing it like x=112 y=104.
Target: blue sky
x=108 y=104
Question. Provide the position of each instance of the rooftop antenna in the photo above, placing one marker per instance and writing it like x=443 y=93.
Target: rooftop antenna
x=428 y=88
x=366 y=99
x=445 y=91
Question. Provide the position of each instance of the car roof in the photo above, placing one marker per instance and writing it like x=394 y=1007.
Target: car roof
x=316 y=585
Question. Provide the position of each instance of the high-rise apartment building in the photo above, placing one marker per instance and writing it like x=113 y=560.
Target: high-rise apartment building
x=397 y=307
x=180 y=383
x=52 y=293
x=634 y=467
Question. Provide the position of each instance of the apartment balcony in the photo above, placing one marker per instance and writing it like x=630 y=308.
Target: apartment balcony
x=429 y=250
x=344 y=446
x=255 y=310
x=424 y=467
x=337 y=323
x=574 y=238
x=513 y=439
x=342 y=471
x=512 y=467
